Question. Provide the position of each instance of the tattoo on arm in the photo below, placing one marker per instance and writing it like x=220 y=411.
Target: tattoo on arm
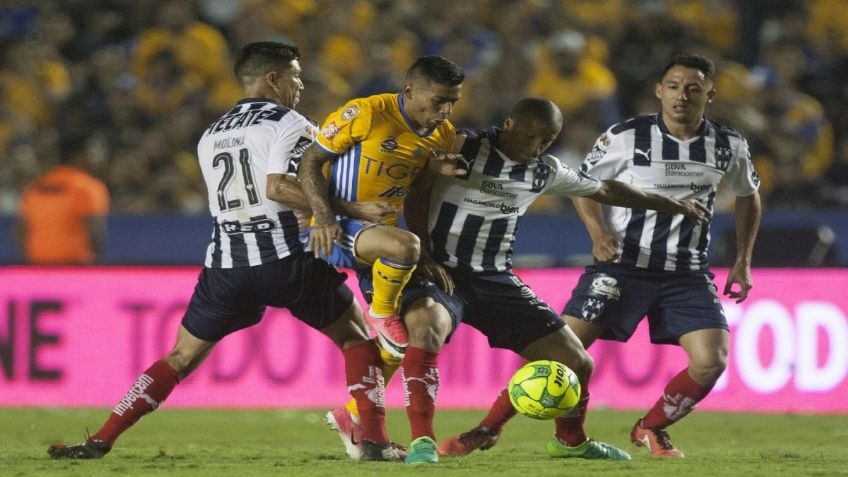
x=314 y=183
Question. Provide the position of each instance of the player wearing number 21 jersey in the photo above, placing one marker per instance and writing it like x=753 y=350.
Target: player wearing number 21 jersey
x=256 y=260
x=257 y=137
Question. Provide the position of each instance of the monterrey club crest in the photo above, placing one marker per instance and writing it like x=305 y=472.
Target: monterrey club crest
x=540 y=177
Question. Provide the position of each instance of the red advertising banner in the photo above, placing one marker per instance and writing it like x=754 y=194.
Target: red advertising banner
x=80 y=337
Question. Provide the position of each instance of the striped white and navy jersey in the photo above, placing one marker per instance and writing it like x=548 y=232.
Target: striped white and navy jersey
x=643 y=153
x=473 y=218
x=237 y=152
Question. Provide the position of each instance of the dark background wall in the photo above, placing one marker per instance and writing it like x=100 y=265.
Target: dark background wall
x=785 y=239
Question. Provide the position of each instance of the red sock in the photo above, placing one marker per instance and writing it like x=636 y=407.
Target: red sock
x=420 y=386
x=679 y=398
x=365 y=383
x=500 y=412
x=569 y=428
x=145 y=396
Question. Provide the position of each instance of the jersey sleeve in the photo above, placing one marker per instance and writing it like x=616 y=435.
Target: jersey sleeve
x=567 y=181
x=741 y=175
x=289 y=146
x=604 y=160
x=346 y=126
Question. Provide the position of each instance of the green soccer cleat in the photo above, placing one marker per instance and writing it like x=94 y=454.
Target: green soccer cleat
x=422 y=451
x=591 y=449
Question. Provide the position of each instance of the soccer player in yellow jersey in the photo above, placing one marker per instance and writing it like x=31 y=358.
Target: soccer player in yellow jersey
x=375 y=147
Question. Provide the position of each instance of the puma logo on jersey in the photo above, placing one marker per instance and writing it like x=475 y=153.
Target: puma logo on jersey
x=393 y=192
x=640 y=152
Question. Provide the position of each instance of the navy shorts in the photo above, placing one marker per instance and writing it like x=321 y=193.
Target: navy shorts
x=616 y=297
x=498 y=304
x=343 y=254
x=229 y=299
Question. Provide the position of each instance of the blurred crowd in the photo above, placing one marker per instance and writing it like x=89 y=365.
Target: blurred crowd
x=140 y=79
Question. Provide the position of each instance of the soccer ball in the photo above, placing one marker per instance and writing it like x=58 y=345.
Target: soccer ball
x=544 y=389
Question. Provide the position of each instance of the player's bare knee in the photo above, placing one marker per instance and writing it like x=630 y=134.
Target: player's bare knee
x=707 y=371
x=403 y=247
x=348 y=330
x=583 y=365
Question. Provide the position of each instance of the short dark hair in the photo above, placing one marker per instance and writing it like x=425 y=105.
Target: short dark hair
x=701 y=63
x=437 y=69
x=262 y=56
x=536 y=109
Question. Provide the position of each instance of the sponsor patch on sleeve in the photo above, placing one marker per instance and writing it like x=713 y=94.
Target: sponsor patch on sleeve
x=300 y=147
x=595 y=155
x=599 y=149
x=330 y=130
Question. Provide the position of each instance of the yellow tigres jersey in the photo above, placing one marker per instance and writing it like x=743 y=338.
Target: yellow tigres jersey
x=380 y=154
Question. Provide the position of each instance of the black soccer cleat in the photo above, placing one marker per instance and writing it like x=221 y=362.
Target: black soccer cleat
x=90 y=449
x=388 y=452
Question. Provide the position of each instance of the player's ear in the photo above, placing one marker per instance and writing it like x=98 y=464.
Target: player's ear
x=711 y=95
x=407 y=90
x=271 y=78
x=658 y=91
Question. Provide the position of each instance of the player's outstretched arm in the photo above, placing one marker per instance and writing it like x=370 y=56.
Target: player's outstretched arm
x=325 y=228
x=748 y=211
x=620 y=194
x=604 y=244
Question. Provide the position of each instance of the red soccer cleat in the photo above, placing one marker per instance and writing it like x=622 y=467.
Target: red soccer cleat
x=656 y=440
x=481 y=437
x=341 y=421
x=391 y=333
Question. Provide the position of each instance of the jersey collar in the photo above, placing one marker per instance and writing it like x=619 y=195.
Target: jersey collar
x=702 y=129
x=254 y=100
x=408 y=121
x=493 y=133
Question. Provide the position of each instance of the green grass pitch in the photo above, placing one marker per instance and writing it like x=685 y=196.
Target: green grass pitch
x=209 y=443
